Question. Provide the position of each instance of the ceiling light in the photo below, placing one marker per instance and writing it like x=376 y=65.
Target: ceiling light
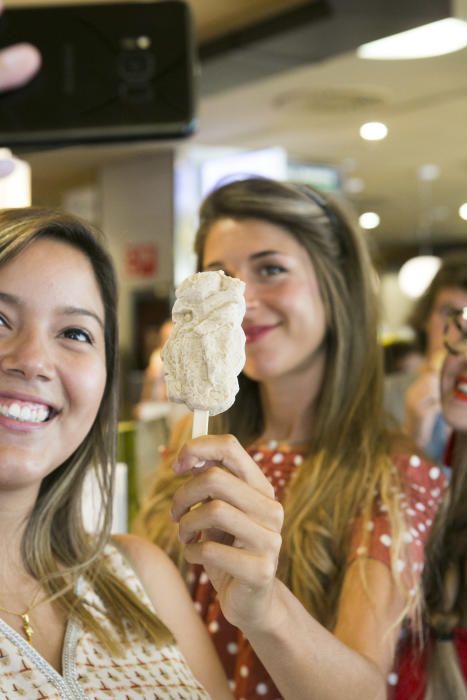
x=428 y=172
x=373 y=131
x=434 y=39
x=354 y=185
x=369 y=219
x=417 y=273
x=463 y=211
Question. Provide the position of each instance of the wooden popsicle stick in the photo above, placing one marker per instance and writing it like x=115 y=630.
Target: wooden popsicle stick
x=200 y=423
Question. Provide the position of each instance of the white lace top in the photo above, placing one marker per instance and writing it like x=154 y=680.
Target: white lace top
x=144 y=672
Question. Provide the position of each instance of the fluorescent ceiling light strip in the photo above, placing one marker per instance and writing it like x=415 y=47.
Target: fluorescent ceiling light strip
x=434 y=39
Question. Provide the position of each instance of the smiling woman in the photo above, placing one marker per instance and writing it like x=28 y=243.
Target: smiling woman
x=311 y=518
x=79 y=611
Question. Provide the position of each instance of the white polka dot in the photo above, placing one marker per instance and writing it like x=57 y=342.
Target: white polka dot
x=386 y=540
x=361 y=551
x=414 y=532
x=262 y=689
x=277 y=458
x=435 y=492
x=407 y=537
x=281 y=482
x=203 y=579
x=272 y=444
x=197 y=606
x=400 y=565
x=393 y=678
x=277 y=472
x=370 y=525
x=244 y=671
x=420 y=506
x=429 y=522
x=421 y=527
x=383 y=509
x=431 y=502
x=258 y=456
x=415 y=461
x=213 y=627
x=298 y=460
x=434 y=473
x=232 y=685
x=411 y=511
x=232 y=648
x=190 y=577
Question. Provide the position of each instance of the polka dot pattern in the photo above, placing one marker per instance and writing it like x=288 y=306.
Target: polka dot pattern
x=249 y=678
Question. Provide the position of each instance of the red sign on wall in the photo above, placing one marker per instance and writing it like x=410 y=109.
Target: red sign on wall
x=141 y=259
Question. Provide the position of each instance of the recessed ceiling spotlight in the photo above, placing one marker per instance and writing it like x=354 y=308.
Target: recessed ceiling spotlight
x=354 y=185
x=369 y=219
x=463 y=211
x=373 y=131
x=434 y=39
x=428 y=172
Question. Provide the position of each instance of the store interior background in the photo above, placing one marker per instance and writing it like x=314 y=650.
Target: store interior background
x=282 y=78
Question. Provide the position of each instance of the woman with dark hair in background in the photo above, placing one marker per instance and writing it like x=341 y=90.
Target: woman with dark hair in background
x=414 y=400
x=318 y=612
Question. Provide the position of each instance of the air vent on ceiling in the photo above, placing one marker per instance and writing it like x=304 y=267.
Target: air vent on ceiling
x=329 y=99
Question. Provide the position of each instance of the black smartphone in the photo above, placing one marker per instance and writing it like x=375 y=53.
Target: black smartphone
x=110 y=72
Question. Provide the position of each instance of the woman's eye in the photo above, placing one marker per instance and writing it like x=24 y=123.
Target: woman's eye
x=77 y=334
x=3 y=321
x=271 y=270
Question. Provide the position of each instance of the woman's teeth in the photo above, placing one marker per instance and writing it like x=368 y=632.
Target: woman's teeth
x=25 y=413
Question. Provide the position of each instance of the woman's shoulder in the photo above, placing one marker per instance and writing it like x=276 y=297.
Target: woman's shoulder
x=144 y=557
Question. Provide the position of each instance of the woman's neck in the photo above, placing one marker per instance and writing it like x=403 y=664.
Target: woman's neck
x=15 y=509
x=289 y=404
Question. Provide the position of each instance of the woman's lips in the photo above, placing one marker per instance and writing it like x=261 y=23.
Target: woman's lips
x=255 y=333
x=460 y=388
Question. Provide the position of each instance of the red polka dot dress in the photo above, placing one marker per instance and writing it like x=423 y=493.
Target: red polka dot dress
x=424 y=485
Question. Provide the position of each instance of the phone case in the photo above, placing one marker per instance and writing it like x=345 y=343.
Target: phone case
x=110 y=72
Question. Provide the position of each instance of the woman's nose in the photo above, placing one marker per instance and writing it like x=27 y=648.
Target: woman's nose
x=251 y=297
x=27 y=355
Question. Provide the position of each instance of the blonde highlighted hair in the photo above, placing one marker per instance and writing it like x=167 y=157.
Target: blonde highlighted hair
x=348 y=463
x=56 y=549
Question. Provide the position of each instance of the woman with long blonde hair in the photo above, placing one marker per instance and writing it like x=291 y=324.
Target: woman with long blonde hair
x=81 y=615
x=438 y=671
x=318 y=603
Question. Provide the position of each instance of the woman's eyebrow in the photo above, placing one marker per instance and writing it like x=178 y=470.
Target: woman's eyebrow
x=67 y=310
x=217 y=265
x=80 y=311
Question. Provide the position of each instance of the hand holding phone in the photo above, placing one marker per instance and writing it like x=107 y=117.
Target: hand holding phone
x=110 y=72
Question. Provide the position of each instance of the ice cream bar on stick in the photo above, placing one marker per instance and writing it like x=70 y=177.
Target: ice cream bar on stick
x=206 y=349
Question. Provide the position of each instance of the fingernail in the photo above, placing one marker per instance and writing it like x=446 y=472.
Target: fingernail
x=200 y=463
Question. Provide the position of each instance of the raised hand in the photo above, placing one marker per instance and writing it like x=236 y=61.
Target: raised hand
x=231 y=524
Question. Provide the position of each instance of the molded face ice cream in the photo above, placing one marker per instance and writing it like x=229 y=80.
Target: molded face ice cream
x=206 y=349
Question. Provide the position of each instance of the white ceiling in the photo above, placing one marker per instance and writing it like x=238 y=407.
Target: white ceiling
x=315 y=111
